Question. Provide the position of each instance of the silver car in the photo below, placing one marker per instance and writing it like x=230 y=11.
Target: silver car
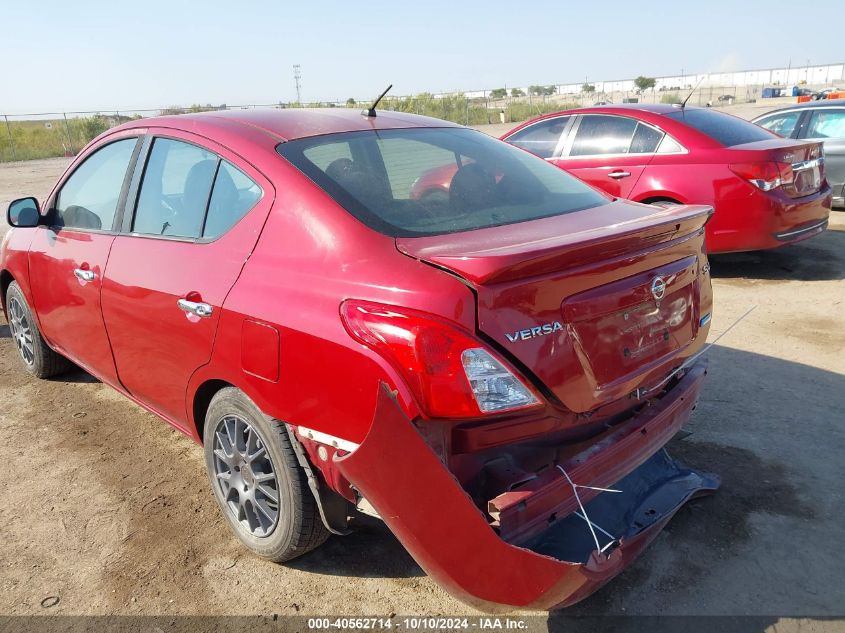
x=817 y=121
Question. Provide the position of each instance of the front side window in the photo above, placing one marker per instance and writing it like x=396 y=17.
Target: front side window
x=782 y=123
x=541 y=138
x=601 y=134
x=826 y=123
x=431 y=181
x=190 y=192
x=89 y=198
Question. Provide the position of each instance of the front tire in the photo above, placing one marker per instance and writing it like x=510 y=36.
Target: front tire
x=257 y=481
x=38 y=358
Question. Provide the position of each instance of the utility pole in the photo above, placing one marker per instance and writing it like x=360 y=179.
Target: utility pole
x=297 y=75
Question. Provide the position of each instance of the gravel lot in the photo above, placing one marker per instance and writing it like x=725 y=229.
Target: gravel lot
x=108 y=508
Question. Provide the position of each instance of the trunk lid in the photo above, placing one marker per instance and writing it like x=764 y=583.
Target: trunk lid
x=592 y=305
x=800 y=163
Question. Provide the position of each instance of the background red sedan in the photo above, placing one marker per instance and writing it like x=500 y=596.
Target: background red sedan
x=766 y=191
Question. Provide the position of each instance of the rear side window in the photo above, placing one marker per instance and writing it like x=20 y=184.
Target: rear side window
x=782 y=123
x=88 y=199
x=601 y=134
x=175 y=190
x=431 y=181
x=826 y=124
x=669 y=146
x=189 y=192
x=233 y=195
x=646 y=139
x=723 y=128
x=541 y=138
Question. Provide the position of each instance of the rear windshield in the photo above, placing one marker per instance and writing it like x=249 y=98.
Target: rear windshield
x=722 y=128
x=430 y=181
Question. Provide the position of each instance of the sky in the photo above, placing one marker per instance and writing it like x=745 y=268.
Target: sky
x=84 y=55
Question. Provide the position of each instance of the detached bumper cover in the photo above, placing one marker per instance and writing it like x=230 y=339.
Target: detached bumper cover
x=450 y=538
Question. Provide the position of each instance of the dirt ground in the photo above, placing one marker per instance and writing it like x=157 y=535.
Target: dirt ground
x=108 y=508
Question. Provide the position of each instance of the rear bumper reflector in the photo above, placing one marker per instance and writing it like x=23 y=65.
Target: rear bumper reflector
x=802 y=232
x=328 y=440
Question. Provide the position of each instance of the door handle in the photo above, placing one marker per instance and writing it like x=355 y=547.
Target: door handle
x=84 y=275
x=202 y=310
x=619 y=174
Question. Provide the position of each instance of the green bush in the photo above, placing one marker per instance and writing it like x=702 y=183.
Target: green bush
x=57 y=137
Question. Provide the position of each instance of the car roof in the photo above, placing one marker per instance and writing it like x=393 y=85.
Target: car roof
x=806 y=105
x=295 y=123
x=614 y=108
x=654 y=108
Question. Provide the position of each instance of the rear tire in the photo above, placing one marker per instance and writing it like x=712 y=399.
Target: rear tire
x=37 y=357
x=257 y=481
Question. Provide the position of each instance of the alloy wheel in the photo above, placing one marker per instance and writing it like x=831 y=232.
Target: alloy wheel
x=245 y=474
x=21 y=330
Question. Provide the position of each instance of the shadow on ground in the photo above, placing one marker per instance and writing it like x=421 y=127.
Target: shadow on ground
x=769 y=425
x=76 y=375
x=819 y=258
x=354 y=555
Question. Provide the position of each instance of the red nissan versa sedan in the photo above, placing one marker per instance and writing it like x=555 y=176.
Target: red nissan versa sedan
x=766 y=191
x=474 y=371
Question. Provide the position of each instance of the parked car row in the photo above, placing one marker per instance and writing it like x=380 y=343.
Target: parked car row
x=816 y=121
x=766 y=191
x=387 y=314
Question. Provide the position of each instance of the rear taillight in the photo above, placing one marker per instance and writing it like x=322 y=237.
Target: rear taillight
x=451 y=373
x=765 y=175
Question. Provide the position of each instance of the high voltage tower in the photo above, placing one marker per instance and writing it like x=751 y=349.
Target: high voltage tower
x=297 y=75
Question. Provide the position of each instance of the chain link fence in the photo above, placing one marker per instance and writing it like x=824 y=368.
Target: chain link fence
x=53 y=134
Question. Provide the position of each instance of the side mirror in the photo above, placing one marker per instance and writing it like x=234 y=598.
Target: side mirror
x=24 y=213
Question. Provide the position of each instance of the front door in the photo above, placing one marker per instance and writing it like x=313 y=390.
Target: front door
x=609 y=152
x=196 y=220
x=68 y=258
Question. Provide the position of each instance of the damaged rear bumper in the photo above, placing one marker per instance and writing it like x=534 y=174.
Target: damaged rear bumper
x=557 y=561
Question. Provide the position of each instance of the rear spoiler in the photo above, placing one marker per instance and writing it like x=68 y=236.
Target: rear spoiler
x=532 y=248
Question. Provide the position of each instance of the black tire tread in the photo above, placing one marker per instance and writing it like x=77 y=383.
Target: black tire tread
x=47 y=362
x=311 y=533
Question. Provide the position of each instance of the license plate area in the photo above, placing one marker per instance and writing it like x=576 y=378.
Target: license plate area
x=624 y=327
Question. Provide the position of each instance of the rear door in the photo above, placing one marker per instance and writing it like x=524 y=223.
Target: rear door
x=198 y=211
x=609 y=152
x=67 y=258
x=828 y=125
